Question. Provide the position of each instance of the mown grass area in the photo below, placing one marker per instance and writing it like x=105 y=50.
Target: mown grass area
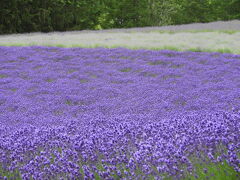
x=192 y=31
x=223 y=41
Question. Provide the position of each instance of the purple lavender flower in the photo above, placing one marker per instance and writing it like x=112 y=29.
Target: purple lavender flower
x=129 y=110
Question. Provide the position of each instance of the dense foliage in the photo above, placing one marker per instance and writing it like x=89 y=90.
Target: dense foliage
x=69 y=113
x=18 y=16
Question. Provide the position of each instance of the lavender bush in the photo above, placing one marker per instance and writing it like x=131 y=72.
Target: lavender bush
x=76 y=113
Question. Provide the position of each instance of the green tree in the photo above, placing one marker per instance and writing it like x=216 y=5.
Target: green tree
x=19 y=16
x=162 y=12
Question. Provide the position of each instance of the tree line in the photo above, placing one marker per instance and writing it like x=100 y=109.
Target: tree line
x=20 y=16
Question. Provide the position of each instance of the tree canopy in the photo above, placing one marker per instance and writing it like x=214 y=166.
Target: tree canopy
x=19 y=16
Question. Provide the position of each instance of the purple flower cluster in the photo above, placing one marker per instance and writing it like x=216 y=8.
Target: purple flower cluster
x=81 y=113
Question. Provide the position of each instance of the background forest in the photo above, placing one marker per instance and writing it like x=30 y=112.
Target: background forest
x=19 y=16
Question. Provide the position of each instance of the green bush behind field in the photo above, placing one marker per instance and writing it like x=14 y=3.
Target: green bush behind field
x=19 y=16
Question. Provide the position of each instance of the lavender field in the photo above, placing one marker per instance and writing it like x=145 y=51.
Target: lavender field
x=80 y=113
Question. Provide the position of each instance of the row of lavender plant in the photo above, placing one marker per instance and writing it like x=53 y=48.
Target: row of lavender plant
x=116 y=113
